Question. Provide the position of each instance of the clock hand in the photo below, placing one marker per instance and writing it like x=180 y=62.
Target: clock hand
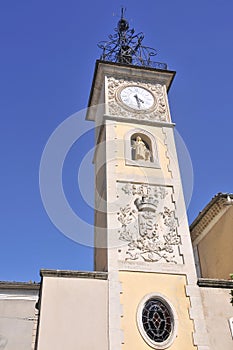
x=138 y=101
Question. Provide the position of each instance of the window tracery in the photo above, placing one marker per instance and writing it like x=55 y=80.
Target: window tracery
x=157 y=321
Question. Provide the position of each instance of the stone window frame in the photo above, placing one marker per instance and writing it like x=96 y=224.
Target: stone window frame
x=168 y=342
x=128 y=149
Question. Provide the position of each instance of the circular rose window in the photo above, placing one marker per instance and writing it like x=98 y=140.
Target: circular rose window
x=156 y=322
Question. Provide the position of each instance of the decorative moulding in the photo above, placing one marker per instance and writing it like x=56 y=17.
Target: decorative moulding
x=159 y=111
x=148 y=224
x=137 y=121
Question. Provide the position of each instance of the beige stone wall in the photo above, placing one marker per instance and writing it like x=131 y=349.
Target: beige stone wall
x=17 y=314
x=73 y=314
x=135 y=286
x=216 y=248
x=217 y=311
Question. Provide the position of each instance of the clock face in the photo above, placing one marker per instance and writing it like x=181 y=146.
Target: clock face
x=137 y=97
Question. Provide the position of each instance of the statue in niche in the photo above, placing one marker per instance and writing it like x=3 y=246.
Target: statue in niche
x=141 y=150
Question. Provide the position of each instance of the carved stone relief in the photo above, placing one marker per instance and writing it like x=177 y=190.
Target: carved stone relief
x=160 y=111
x=148 y=224
x=141 y=150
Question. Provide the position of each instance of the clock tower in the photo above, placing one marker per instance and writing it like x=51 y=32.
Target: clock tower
x=142 y=236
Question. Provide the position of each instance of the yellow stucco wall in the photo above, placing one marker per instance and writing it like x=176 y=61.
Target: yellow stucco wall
x=135 y=285
x=216 y=248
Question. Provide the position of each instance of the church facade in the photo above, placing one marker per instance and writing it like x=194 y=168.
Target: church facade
x=149 y=289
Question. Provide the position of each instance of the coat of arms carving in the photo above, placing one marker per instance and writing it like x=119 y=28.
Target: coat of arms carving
x=148 y=225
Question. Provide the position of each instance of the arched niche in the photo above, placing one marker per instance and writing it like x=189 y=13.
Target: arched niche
x=141 y=149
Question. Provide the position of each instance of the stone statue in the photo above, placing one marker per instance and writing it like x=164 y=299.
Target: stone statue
x=141 y=150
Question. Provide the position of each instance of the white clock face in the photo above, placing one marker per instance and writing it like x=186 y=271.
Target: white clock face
x=137 y=98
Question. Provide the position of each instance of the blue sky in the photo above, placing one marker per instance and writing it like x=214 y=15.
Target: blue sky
x=48 y=53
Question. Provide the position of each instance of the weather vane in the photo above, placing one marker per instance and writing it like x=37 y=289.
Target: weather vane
x=126 y=47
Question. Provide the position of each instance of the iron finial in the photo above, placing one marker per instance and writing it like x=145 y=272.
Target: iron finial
x=126 y=47
x=123 y=24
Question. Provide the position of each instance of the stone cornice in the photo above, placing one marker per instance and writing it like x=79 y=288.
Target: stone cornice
x=139 y=121
x=74 y=274
x=215 y=208
x=215 y=283
x=19 y=285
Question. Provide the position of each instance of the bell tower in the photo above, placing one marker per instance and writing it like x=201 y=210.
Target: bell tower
x=142 y=236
